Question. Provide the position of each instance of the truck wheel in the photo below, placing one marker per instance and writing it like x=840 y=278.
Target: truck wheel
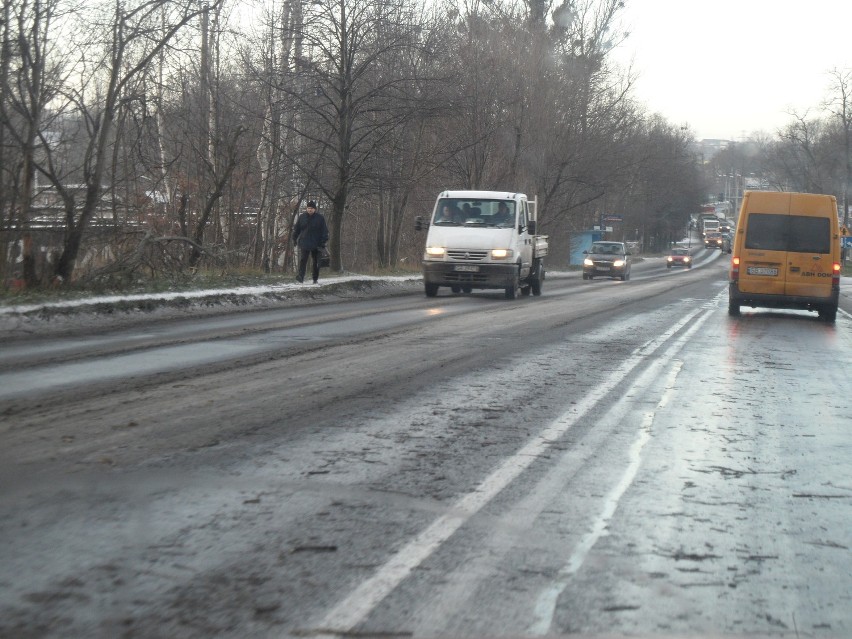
x=455 y=288
x=512 y=291
x=525 y=290
x=431 y=290
x=538 y=280
x=467 y=288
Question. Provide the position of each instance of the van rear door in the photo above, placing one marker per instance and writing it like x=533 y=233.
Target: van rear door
x=809 y=240
x=764 y=255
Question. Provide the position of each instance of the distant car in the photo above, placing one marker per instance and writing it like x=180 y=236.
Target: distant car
x=611 y=259
x=727 y=242
x=679 y=257
x=713 y=240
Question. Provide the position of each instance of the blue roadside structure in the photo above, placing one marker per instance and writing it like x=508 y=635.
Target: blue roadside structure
x=581 y=241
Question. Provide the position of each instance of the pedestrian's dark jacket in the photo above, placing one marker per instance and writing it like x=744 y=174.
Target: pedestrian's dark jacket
x=310 y=231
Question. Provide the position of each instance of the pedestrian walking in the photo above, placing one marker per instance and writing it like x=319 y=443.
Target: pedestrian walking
x=310 y=234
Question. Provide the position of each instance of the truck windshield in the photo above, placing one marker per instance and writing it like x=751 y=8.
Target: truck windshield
x=489 y=213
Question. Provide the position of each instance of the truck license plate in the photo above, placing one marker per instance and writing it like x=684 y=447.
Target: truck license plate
x=466 y=269
x=761 y=270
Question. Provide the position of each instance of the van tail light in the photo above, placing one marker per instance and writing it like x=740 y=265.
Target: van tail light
x=835 y=274
x=735 y=269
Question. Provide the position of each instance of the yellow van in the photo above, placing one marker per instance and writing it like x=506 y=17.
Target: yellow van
x=786 y=253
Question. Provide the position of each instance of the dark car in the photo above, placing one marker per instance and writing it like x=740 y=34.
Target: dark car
x=727 y=242
x=611 y=259
x=679 y=257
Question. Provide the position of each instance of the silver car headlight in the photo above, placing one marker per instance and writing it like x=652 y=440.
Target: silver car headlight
x=588 y=262
x=618 y=263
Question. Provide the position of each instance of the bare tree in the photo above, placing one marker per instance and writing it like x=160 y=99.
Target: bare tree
x=24 y=105
x=125 y=41
x=839 y=105
x=350 y=105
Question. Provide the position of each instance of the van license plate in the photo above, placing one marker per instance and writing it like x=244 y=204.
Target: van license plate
x=761 y=270
x=466 y=269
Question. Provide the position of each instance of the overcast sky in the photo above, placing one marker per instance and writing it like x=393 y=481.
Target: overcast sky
x=728 y=68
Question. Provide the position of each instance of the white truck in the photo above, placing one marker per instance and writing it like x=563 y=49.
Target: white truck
x=483 y=240
x=710 y=225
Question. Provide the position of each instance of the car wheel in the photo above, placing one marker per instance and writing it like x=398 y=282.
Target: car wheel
x=431 y=289
x=585 y=276
x=668 y=265
x=455 y=288
x=467 y=288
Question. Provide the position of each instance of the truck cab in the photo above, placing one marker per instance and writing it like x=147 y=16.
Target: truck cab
x=483 y=240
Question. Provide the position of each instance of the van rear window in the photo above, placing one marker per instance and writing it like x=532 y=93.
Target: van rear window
x=796 y=233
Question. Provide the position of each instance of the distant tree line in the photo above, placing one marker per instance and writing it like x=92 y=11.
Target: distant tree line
x=147 y=138
x=811 y=154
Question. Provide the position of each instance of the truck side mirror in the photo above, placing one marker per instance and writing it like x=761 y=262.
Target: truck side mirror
x=531 y=227
x=419 y=224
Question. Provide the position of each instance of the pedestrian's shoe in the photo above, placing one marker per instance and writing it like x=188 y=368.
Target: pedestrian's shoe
x=316 y=282
x=300 y=279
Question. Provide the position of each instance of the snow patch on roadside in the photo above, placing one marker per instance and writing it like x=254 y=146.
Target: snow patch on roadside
x=112 y=311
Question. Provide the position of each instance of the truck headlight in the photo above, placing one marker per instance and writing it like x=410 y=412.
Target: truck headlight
x=435 y=251
x=501 y=254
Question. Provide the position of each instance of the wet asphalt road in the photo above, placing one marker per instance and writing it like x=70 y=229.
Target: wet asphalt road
x=610 y=459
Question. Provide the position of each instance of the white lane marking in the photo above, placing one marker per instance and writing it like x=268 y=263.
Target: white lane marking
x=361 y=601
x=545 y=607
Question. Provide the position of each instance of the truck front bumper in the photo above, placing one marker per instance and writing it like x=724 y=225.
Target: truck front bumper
x=473 y=275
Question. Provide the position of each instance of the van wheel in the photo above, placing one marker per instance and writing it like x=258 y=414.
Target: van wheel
x=431 y=290
x=828 y=314
x=733 y=308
